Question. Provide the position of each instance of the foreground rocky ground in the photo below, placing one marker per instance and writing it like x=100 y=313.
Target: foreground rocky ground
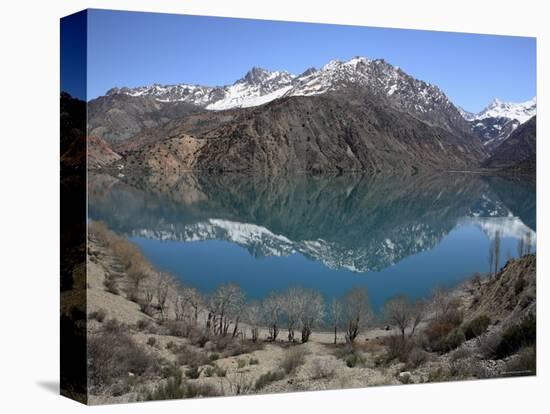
x=138 y=350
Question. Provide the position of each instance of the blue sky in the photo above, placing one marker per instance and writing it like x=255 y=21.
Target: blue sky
x=133 y=49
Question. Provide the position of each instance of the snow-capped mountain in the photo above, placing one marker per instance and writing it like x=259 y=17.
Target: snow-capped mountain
x=520 y=112
x=257 y=87
x=260 y=86
x=499 y=119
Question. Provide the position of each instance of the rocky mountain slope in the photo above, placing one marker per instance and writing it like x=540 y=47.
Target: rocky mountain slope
x=348 y=130
x=259 y=86
x=499 y=119
x=118 y=117
x=356 y=115
x=518 y=152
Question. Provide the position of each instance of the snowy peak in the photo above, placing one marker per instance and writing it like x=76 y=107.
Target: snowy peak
x=261 y=77
x=259 y=86
x=520 y=112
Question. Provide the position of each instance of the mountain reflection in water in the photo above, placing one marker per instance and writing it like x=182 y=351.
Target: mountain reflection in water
x=392 y=234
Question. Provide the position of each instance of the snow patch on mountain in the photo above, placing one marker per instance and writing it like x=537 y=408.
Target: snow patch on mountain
x=260 y=86
x=520 y=112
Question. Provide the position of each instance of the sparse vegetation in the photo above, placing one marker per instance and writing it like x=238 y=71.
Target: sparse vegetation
x=323 y=368
x=98 y=315
x=357 y=312
x=193 y=372
x=176 y=388
x=268 y=378
x=476 y=327
x=113 y=354
x=294 y=357
x=517 y=336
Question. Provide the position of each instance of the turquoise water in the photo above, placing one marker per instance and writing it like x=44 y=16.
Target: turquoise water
x=393 y=235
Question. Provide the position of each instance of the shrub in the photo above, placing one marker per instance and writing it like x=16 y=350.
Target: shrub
x=146 y=308
x=98 y=315
x=151 y=341
x=417 y=357
x=241 y=363
x=254 y=361
x=354 y=359
x=460 y=354
x=170 y=370
x=454 y=340
x=113 y=355
x=198 y=337
x=398 y=348
x=188 y=356
x=142 y=324
x=228 y=346
x=215 y=370
x=519 y=285
x=199 y=390
x=268 y=378
x=293 y=358
x=114 y=326
x=177 y=388
x=110 y=285
x=323 y=368
x=193 y=372
x=349 y=355
x=219 y=371
x=517 y=336
x=436 y=334
x=489 y=344
x=476 y=327
x=214 y=356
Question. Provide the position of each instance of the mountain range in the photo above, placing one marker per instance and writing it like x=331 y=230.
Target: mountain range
x=360 y=114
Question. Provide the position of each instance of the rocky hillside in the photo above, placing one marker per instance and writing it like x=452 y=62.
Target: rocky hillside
x=350 y=130
x=518 y=153
x=118 y=116
x=498 y=120
x=124 y=112
x=508 y=296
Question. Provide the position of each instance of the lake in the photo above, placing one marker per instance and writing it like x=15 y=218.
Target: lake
x=393 y=235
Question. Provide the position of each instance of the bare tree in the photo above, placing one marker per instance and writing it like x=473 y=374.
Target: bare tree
x=444 y=306
x=195 y=301
x=291 y=308
x=236 y=312
x=162 y=288
x=336 y=312
x=254 y=317
x=136 y=274
x=403 y=314
x=224 y=303
x=357 y=312
x=312 y=311
x=397 y=312
x=272 y=312
x=418 y=314
x=187 y=304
